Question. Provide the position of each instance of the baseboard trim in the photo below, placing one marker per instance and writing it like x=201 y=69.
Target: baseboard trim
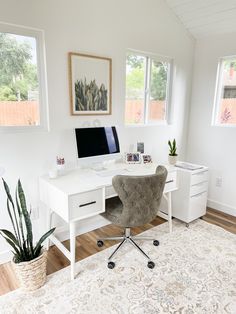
x=225 y=208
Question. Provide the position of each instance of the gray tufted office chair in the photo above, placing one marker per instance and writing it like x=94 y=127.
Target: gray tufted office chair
x=138 y=202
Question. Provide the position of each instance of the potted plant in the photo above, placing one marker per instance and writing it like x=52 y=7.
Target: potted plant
x=29 y=259
x=172 y=152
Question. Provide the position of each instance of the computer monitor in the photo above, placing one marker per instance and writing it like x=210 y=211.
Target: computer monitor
x=94 y=142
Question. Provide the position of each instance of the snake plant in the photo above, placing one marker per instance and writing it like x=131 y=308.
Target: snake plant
x=173 y=148
x=21 y=239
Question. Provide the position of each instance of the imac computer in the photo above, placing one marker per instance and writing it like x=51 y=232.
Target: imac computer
x=95 y=145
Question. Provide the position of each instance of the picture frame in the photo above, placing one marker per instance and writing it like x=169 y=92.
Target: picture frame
x=140 y=147
x=133 y=158
x=147 y=159
x=90 y=84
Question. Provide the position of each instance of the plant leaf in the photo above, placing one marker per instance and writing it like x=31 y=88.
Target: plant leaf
x=9 y=199
x=26 y=216
x=11 y=218
x=43 y=238
x=37 y=252
x=20 y=217
x=11 y=236
x=12 y=245
x=7 y=190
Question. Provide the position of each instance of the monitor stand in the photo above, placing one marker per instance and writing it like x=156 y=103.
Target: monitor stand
x=103 y=165
x=98 y=166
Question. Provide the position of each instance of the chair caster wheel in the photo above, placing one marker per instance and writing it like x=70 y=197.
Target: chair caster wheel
x=100 y=243
x=156 y=242
x=111 y=265
x=151 y=264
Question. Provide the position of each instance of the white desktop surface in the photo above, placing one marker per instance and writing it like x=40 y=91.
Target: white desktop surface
x=83 y=180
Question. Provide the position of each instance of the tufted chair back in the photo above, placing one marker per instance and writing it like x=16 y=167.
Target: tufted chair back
x=140 y=197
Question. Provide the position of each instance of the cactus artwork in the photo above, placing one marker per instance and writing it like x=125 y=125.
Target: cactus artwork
x=90 y=79
x=89 y=96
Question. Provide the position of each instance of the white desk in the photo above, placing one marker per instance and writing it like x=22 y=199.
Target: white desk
x=81 y=194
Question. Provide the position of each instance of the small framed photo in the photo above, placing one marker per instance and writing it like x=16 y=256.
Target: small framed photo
x=140 y=147
x=147 y=159
x=133 y=158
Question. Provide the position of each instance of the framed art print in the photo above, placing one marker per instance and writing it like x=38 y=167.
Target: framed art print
x=90 y=84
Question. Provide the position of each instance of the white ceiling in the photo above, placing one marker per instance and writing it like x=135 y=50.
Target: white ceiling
x=206 y=17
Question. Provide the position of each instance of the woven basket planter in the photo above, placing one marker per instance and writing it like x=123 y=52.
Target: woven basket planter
x=32 y=274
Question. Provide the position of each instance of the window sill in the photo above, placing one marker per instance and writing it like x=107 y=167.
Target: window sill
x=224 y=125
x=164 y=123
x=23 y=129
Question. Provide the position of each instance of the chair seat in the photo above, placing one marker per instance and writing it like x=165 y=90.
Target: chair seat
x=113 y=212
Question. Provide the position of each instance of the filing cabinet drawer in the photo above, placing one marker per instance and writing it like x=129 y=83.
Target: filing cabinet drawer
x=197 y=206
x=86 y=204
x=199 y=177
x=198 y=188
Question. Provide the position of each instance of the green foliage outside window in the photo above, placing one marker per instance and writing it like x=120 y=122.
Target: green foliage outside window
x=18 y=74
x=135 y=78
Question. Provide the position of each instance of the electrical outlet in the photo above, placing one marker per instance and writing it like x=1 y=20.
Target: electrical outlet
x=219 y=182
x=34 y=213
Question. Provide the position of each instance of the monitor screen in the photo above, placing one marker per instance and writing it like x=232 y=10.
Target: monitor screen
x=96 y=141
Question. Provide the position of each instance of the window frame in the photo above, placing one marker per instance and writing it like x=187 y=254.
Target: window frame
x=158 y=58
x=38 y=34
x=218 y=93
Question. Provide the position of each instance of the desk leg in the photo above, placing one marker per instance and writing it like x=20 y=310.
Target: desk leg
x=49 y=223
x=169 y=202
x=72 y=250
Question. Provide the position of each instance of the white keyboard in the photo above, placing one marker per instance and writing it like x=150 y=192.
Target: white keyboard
x=111 y=173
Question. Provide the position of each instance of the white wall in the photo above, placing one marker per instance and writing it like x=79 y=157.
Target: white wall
x=210 y=145
x=106 y=28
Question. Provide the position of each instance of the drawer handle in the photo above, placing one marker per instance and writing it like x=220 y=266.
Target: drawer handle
x=87 y=204
x=200 y=173
x=170 y=181
x=199 y=184
x=196 y=195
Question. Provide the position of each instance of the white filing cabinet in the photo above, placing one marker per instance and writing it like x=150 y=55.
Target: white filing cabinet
x=189 y=201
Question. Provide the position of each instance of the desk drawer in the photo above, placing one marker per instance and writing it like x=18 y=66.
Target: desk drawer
x=198 y=188
x=86 y=204
x=199 y=177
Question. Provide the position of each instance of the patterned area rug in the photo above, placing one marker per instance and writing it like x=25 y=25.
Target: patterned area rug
x=195 y=273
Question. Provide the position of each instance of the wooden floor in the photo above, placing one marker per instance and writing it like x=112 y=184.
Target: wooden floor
x=86 y=246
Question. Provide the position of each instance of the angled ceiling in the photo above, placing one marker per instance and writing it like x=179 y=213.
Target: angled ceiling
x=206 y=17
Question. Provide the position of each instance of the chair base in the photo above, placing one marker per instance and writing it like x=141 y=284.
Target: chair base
x=127 y=237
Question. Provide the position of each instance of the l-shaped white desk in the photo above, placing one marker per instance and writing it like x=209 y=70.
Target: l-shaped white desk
x=82 y=193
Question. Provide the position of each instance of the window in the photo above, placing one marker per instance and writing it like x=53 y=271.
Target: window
x=22 y=78
x=147 y=89
x=225 y=96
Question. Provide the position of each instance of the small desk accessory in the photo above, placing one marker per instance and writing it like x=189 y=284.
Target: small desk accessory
x=147 y=159
x=140 y=147
x=133 y=158
x=60 y=165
